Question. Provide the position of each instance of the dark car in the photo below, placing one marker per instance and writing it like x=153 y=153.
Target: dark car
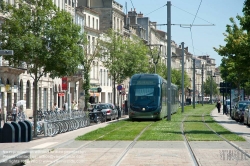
x=238 y=110
x=108 y=110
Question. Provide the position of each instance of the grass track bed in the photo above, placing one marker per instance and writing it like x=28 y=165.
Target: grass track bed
x=164 y=130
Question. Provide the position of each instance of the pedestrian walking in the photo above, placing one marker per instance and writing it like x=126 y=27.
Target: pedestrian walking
x=65 y=106
x=54 y=108
x=218 y=105
x=14 y=112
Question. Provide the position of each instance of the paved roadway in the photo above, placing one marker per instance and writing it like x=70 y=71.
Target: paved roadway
x=66 y=151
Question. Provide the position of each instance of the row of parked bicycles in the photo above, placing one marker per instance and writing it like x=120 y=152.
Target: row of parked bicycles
x=51 y=123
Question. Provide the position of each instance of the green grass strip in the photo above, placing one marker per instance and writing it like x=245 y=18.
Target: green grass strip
x=164 y=130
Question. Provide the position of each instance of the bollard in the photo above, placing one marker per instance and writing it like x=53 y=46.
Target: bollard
x=24 y=131
x=1 y=135
x=8 y=133
x=17 y=131
x=29 y=125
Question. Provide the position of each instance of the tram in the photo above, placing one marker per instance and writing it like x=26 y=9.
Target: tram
x=147 y=97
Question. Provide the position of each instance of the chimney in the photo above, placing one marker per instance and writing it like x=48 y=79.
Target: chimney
x=88 y=3
x=140 y=15
x=186 y=48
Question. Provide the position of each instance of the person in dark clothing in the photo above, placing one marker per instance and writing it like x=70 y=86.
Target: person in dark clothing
x=218 y=105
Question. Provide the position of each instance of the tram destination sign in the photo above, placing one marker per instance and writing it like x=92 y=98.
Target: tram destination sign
x=145 y=82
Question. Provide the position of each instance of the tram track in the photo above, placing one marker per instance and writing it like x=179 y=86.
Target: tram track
x=80 y=147
x=190 y=148
x=130 y=146
x=226 y=140
x=117 y=161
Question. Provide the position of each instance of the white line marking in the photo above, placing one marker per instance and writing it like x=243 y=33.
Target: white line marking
x=43 y=145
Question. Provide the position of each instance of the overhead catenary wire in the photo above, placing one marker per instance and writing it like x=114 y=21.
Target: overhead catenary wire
x=132 y=4
x=192 y=25
x=155 y=10
x=193 y=14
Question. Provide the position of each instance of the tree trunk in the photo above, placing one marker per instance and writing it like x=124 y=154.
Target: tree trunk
x=114 y=91
x=35 y=106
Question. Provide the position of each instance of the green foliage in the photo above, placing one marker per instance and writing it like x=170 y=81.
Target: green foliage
x=235 y=63
x=207 y=87
x=123 y=57
x=44 y=38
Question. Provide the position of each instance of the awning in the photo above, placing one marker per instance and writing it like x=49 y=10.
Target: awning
x=94 y=94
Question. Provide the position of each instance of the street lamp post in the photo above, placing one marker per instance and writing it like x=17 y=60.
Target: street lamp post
x=211 y=94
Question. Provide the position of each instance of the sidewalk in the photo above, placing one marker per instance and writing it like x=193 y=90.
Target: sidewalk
x=232 y=125
x=64 y=150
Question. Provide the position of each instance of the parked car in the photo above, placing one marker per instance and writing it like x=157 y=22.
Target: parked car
x=238 y=110
x=91 y=107
x=108 y=110
x=112 y=106
x=247 y=116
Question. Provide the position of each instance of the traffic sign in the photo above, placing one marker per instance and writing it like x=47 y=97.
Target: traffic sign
x=6 y=52
x=222 y=90
x=225 y=90
x=225 y=84
x=119 y=87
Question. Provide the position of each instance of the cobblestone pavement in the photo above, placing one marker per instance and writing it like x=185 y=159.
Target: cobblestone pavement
x=63 y=150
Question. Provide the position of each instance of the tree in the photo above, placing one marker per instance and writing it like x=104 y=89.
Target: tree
x=87 y=62
x=123 y=57
x=207 y=87
x=235 y=53
x=44 y=38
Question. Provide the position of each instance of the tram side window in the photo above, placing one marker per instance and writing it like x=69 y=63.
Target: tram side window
x=164 y=94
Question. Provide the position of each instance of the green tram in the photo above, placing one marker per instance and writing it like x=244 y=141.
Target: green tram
x=147 y=97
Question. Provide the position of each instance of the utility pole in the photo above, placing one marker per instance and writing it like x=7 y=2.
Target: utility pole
x=169 y=52
x=182 y=78
x=193 y=82
x=211 y=87
x=202 y=85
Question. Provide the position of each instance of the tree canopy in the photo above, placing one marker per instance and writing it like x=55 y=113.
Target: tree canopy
x=44 y=39
x=123 y=56
x=235 y=64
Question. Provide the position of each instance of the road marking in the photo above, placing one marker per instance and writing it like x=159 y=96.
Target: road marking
x=43 y=145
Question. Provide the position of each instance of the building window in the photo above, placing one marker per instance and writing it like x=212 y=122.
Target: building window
x=93 y=45
x=88 y=49
x=101 y=77
x=121 y=26
x=94 y=69
x=97 y=24
x=88 y=21
x=117 y=24
x=93 y=23
x=28 y=94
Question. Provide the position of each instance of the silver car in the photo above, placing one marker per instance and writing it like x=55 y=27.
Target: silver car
x=247 y=116
x=108 y=110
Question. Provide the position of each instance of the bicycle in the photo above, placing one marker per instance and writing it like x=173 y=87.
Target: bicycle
x=21 y=116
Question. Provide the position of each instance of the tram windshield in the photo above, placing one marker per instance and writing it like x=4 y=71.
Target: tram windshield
x=144 y=95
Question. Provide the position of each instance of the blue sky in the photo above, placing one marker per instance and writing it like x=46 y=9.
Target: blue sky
x=203 y=38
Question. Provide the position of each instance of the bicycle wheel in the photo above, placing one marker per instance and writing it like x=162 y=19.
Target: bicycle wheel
x=65 y=126
x=49 y=129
